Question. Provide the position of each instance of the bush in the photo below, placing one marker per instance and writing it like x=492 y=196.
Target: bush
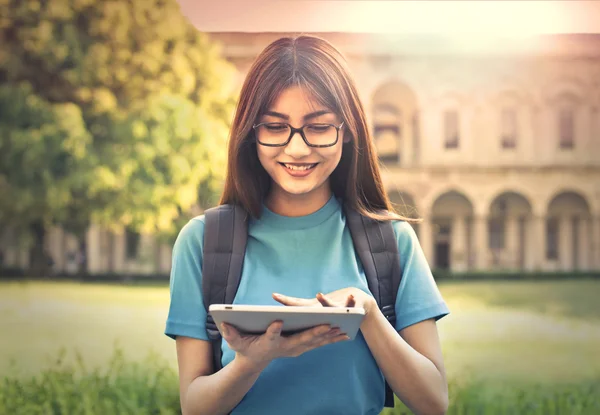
x=493 y=398
x=150 y=387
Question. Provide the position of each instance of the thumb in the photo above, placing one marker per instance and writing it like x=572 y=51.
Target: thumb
x=274 y=330
x=229 y=333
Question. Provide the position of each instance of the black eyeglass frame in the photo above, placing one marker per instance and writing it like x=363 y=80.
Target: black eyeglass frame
x=301 y=131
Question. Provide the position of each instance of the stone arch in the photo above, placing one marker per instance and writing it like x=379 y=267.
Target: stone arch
x=570 y=87
x=509 y=224
x=561 y=197
x=498 y=190
x=568 y=231
x=451 y=217
x=439 y=191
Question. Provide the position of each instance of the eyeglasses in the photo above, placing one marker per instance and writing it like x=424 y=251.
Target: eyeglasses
x=279 y=134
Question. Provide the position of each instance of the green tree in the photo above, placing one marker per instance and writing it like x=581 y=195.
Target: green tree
x=113 y=112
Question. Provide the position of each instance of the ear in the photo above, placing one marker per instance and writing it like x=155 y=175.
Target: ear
x=347 y=138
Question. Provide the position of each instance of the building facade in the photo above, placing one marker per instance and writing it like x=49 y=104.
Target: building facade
x=496 y=149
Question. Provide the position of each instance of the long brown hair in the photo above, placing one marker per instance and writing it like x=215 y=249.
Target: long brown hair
x=316 y=65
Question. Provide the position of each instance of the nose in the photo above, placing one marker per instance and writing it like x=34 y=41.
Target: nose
x=297 y=148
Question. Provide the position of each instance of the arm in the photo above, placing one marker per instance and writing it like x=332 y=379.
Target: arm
x=410 y=360
x=201 y=391
x=205 y=392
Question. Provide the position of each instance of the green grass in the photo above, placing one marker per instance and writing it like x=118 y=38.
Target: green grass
x=148 y=387
x=566 y=298
x=520 y=344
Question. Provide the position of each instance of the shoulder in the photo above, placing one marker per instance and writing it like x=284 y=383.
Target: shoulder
x=192 y=233
x=405 y=235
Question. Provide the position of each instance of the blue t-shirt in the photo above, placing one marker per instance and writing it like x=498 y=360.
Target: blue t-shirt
x=301 y=256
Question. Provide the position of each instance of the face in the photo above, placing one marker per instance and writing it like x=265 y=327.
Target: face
x=298 y=170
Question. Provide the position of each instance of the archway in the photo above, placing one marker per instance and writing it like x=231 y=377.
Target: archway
x=452 y=215
x=509 y=218
x=568 y=231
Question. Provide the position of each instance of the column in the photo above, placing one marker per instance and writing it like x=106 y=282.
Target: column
x=537 y=241
x=119 y=251
x=481 y=242
x=94 y=253
x=165 y=254
x=426 y=239
x=406 y=139
x=595 y=258
x=71 y=246
x=458 y=258
x=584 y=244
x=565 y=243
x=511 y=243
x=55 y=247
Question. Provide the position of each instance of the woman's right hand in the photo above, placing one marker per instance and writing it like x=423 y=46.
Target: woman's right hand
x=260 y=350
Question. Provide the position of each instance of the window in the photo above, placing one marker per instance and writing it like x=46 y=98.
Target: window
x=508 y=125
x=552 y=238
x=566 y=128
x=387 y=132
x=451 y=136
x=132 y=244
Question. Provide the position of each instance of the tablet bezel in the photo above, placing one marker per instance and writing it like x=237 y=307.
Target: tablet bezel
x=254 y=319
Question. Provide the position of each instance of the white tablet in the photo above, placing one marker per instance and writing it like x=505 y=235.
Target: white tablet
x=254 y=319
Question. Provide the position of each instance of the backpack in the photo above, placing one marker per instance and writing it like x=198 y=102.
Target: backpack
x=225 y=236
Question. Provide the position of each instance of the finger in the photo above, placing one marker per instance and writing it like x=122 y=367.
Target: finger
x=229 y=333
x=339 y=337
x=325 y=301
x=306 y=340
x=274 y=330
x=316 y=335
x=350 y=302
x=308 y=336
x=293 y=301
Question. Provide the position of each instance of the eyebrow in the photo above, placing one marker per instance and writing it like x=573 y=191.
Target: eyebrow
x=306 y=117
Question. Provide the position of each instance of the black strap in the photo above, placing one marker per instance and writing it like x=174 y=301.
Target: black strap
x=225 y=236
x=375 y=243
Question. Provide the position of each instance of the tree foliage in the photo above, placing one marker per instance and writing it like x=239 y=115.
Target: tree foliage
x=114 y=112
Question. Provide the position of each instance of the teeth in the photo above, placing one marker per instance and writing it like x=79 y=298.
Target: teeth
x=300 y=168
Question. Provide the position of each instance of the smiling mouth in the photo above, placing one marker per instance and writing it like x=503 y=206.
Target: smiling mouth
x=298 y=166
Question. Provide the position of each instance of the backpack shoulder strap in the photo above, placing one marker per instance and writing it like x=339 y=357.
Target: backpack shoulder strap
x=225 y=237
x=375 y=244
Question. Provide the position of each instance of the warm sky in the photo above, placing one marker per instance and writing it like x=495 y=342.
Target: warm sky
x=497 y=18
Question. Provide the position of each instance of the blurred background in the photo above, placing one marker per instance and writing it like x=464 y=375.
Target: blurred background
x=114 y=118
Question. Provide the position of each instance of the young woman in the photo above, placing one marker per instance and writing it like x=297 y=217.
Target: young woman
x=299 y=149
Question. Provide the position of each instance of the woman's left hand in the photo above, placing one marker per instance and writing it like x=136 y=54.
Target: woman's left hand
x=346 y=297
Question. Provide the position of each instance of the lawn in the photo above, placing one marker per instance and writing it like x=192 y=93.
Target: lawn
x=516 y=347
x=498 y=331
